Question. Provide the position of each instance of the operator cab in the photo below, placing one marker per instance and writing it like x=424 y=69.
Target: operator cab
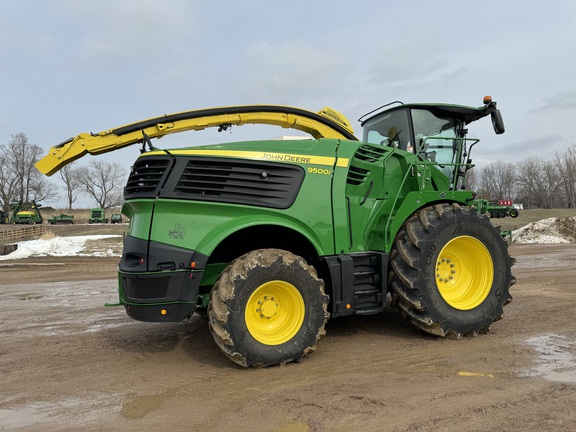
x=405 y=125
x=435 y=132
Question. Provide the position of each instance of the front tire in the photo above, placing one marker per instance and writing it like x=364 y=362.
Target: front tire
x=450 y=271
x=268 y=307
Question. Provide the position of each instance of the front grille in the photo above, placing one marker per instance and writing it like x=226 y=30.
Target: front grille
x=146 y=177
x=240 y=182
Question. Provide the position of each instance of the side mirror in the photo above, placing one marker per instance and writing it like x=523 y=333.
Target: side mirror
x=497 y=122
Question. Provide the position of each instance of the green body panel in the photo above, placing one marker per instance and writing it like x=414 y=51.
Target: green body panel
x=368 y=214
x=139 y=213
x=333 y=215
x=201 y=226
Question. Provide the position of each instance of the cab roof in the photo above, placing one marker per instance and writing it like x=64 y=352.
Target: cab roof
x=463 y=113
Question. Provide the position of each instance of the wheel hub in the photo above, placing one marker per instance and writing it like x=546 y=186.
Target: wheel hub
x=446 y=271
x=267 y=307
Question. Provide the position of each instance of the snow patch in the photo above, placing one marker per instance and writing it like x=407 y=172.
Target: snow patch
x=551 y=230
x=60 y=246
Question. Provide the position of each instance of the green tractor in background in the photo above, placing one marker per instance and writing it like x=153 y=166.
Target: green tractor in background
x=61 y=219
x=97 y=215
x=26 y=213
x=271 y=238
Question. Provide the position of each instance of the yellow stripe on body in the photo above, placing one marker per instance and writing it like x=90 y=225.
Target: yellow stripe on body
x=257 y=155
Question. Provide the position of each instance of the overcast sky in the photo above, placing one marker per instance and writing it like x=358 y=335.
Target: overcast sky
x=89 y=65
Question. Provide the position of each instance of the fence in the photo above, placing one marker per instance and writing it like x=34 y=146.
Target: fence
x=13 y=234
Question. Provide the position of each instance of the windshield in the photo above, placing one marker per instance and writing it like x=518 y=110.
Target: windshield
x=391 y=128
x=435 y=138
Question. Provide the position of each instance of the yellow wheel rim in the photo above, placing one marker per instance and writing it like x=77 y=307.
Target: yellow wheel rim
x=275 y=312
x=464 y=272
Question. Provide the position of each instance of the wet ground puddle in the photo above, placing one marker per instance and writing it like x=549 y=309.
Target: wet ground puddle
x=556 y=358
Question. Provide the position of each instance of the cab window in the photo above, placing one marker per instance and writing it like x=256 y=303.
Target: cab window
x=435 y=137
x=389 y=129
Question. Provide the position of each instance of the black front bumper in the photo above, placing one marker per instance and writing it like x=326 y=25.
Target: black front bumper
x=159 y=282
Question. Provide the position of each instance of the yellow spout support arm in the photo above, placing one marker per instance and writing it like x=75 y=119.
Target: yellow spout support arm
x=327 y=123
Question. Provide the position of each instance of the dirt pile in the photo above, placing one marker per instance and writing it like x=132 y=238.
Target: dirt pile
x=551 y=230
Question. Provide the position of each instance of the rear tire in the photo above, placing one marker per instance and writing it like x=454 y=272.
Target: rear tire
x=450 y=271
x=268 y=307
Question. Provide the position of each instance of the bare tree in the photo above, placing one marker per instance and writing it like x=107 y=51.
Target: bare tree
x=553 y=185
x=538 y=182
x=566 y=163
x=72 y=183
x=103 y=181
x=7 y=181
x=498 y=180
x=19 y=177
x=22 y=155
